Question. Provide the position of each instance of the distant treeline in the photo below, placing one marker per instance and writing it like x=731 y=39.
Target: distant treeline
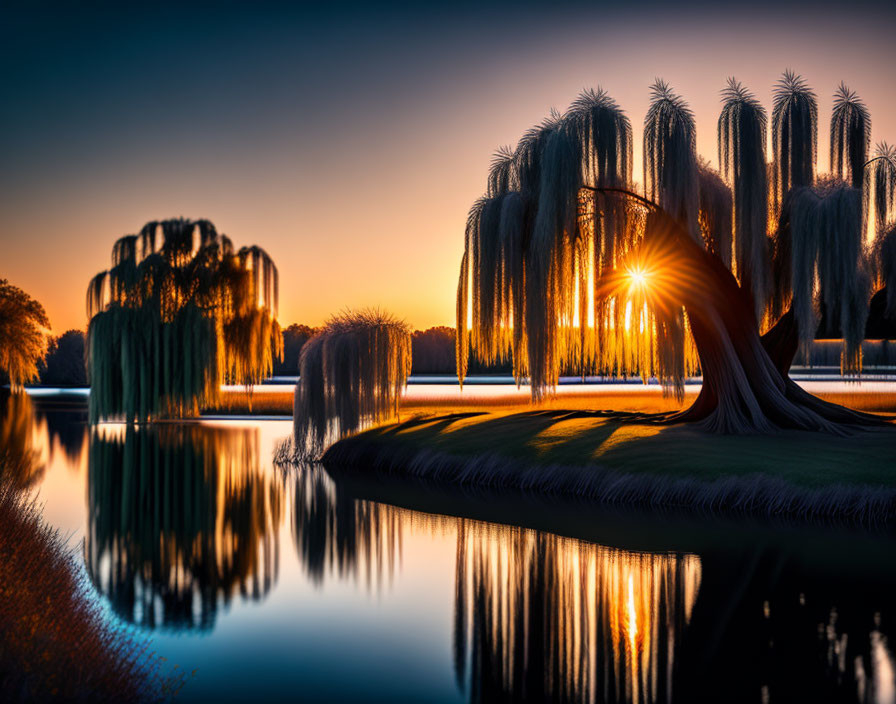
x=432 y=351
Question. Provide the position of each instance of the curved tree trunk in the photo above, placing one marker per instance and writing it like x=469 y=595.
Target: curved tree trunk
x=745 y=388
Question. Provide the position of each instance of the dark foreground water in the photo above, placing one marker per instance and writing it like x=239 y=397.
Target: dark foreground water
x=307 y=586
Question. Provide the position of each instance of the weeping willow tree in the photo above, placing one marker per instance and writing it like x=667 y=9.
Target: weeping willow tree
x=179 y=313
x=880 y=207
x=670 y=156
x=822 y=237
x=351 y=374
x=742 y=138
x=625 y=284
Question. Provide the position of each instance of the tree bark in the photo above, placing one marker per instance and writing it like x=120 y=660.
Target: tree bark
x=746 y=387
x=782 y=341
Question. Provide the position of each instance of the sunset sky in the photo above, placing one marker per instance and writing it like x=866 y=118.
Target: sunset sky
x=350 y=143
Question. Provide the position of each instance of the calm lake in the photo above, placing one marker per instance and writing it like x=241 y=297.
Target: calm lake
x=311 y=586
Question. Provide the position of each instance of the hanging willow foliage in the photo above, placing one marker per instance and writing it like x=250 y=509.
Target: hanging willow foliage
x=826 y=265
x=178 y=314
x=554 y=268
x=879 y=188
x=850 y=136
x=351 y=374
x=741 y=137
x=551 y=275
x=670 y=156
x=716 y=213
x=886 y=250
x=794 y=136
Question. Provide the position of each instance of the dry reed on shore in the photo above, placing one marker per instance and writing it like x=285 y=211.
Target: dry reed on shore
x=55 y=642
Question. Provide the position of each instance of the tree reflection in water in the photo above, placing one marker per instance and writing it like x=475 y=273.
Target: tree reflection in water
x=537 y=616
x=337 y=536
x=546 y=618
x=22 y=462
x=182 y=518
x=66 y=420
x=541 y=617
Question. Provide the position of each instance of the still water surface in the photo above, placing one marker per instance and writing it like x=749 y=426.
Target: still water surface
x=310 y=586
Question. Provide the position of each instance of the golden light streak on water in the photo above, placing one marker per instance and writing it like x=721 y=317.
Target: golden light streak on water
x=587 y=610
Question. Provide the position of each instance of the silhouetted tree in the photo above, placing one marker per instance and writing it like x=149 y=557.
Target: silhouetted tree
x=882 y=183
x=66 y=361
x=24 y=329
x=294 y=338
x=433 y=351
x=850 y=136
x=606 y=274
x=179 y=313
x=794 y=136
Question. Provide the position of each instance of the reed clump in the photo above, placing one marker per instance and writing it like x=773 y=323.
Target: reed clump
x=55 y=644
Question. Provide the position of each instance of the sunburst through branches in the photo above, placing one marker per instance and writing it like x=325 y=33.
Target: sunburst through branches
x=565 y=269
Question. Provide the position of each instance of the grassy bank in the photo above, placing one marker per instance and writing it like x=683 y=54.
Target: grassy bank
x=55 y=644
x=565 y=452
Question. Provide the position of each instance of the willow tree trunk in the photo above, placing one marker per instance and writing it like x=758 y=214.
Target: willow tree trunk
x=744 y=389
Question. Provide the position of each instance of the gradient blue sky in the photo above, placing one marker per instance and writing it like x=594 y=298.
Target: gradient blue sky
x=350 y=142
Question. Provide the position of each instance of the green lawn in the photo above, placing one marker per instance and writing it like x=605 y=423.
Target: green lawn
x=555 y=437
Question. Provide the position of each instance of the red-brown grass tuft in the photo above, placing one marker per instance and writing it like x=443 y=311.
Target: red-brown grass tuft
x=55 y=643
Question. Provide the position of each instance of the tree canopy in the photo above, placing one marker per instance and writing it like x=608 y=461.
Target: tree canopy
x=179 y=313
x=24 y=332
x=565 y=265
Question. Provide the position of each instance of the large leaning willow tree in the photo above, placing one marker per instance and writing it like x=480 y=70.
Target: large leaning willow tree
x=566 y=267
x=179 y=313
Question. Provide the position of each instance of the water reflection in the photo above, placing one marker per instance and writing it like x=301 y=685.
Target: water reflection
x=182 y=518
x=541 y=617
x=22 y=460
x=66 y=421
x=641 y=607
x=545 y=618
x=537 y=617
x=337 y=536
